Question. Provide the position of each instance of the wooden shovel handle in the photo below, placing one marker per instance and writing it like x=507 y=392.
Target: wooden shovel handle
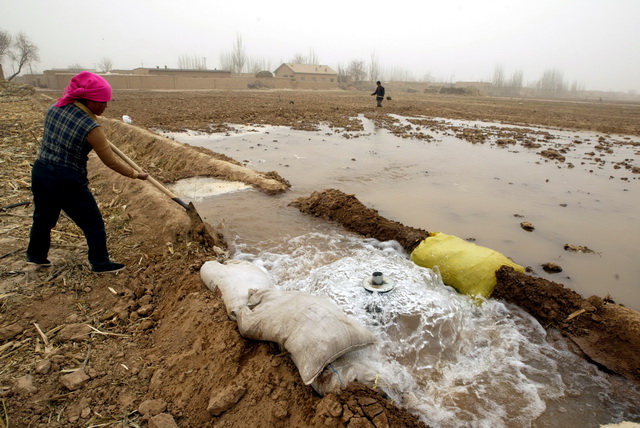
x=150 y=179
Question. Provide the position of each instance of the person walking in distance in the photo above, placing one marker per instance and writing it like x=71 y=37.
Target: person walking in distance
x=379 y=93
x=59 y=175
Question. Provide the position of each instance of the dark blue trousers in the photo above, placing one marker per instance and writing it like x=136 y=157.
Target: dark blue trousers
x=56 y=189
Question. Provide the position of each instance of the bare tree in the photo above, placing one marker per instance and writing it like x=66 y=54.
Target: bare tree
x=236 y=60
x=301 y=59
x=5 y=43
x=226 y=61
x=298 y=59
x=516 y=82
x=23 y=53
x=105 y=65
x=499 y=79
x=399 y=74
x=238 y=55
x=193 y=62
x=374 y=68
x=577 y=87
x=253 y=67
x=76 y=68
x=356 y=70
x=343 y=74
x=313 y=58
x=551 y=83
x=260 y=64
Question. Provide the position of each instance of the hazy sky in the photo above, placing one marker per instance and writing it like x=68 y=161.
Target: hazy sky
x=595 y=43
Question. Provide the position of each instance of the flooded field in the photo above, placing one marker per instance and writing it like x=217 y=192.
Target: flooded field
x=441 y=356
x=480 y=192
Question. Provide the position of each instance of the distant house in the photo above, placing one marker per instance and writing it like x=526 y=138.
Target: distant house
x=307 y=73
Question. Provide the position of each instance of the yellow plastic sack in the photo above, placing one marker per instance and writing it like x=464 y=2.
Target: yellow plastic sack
x=467 y=267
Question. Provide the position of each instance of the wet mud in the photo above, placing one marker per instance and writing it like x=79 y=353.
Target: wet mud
x=334 y=205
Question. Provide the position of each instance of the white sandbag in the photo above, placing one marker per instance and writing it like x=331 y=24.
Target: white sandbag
x=352 y=366
x=233 y=280
x=364 y=366
x=313 y=329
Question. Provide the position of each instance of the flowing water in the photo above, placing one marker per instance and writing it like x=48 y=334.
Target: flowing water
x=440 y=355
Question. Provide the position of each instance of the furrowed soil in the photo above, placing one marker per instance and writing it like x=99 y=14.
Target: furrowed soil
x=152 y=343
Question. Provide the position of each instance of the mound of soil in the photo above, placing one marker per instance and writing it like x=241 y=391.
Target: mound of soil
x=347 y=210
x=607 y=333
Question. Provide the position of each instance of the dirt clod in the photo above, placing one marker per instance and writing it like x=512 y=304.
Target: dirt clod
x=551 y=267
x=529 y=227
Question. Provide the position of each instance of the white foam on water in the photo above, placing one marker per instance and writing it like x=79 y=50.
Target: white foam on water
x=443 y=356
x=198 y=188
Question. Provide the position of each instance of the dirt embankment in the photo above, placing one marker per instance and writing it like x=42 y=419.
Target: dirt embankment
x=170 y=161
x=333 y=205
x=607 y=333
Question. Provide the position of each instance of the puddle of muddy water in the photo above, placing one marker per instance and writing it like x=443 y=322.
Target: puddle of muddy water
x=196 y=189
x=475 y=191
x=456 y=364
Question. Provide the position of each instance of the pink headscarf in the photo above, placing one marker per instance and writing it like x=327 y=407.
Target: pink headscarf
x=88 y=86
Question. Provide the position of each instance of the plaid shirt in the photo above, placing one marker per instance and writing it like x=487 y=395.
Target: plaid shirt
x=64 y=141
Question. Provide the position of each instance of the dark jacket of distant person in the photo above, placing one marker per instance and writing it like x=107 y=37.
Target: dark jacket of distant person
x=379 y=93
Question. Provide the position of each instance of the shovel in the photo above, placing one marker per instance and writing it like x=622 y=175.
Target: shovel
x=200 y=230
x=152 y=180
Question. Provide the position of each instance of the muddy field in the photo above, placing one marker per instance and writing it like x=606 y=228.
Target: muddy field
x=152 y=343
x=305 y=109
